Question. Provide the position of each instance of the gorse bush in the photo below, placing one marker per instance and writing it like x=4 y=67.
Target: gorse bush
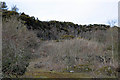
x=8 y=14
x=67 y=37
x=18 y=44
x=56 y=29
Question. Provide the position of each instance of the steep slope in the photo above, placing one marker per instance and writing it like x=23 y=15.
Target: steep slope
x=49 y=30
x=59 y=46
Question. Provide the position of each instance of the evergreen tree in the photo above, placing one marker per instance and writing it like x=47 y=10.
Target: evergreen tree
x=3 y=6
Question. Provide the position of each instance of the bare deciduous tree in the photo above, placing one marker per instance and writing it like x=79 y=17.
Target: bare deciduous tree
x=18 y=44
x=14 y=8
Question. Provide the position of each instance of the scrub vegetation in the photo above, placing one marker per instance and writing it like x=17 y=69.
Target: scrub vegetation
x=53 y=49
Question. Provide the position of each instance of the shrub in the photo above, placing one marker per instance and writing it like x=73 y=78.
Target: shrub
x=18 y=44
x=78 y=68
x=67 y=37
x=7 y=14
x=107 y=70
